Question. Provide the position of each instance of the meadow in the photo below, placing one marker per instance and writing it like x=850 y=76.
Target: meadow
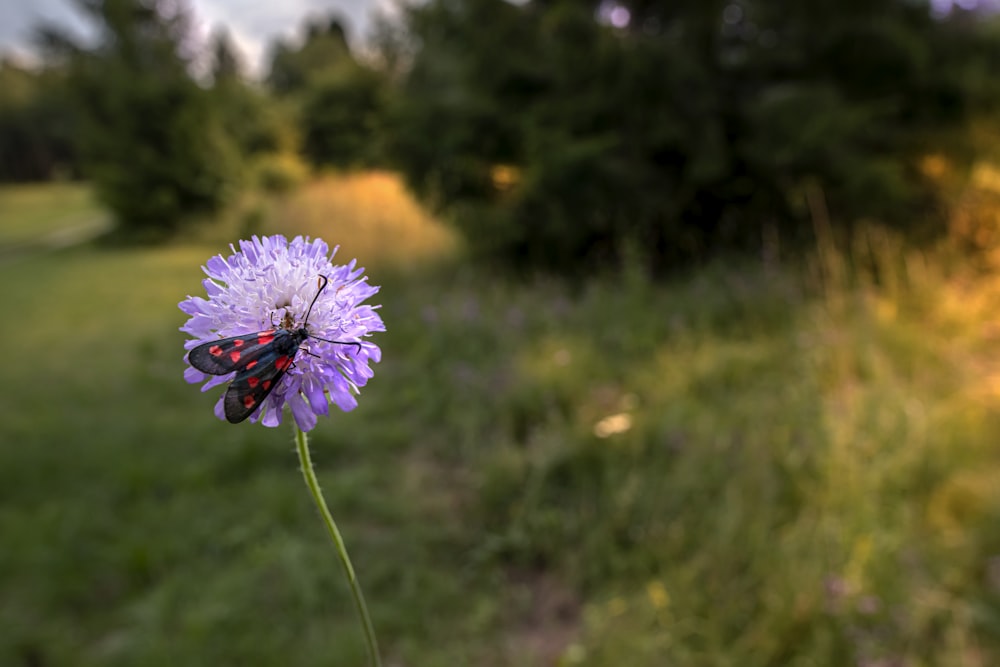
x=43 y=217
x=757 y=464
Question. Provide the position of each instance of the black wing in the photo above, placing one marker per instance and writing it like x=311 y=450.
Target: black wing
x=223 y=356
x=253 y=383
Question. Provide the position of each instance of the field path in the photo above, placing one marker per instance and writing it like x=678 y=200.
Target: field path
x=74 y=234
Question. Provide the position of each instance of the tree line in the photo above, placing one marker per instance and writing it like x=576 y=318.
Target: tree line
x=556 y=134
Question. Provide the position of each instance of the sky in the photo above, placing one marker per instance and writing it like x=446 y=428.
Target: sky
x=252 y=24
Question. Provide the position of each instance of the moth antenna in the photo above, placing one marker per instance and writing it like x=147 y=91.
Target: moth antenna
x=323 y=282
x=338 y=342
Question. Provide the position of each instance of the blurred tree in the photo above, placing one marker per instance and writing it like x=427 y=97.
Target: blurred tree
x=388 y=45
x=254 y=120
x=262 y=127
x=600 y=130
x=227 y=64
x=340 y=115
x=324 y=47
x=37 y=124
x=153 y=142
x=338 y=101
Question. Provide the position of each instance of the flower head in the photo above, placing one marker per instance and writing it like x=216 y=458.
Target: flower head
x=269 y=283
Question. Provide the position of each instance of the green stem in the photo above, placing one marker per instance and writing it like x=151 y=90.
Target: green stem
x=309 y=473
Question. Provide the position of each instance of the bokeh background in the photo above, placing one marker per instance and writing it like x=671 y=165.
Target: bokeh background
x=692 y=352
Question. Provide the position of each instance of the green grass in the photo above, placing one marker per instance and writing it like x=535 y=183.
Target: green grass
x=31 y=214
x=737 y=468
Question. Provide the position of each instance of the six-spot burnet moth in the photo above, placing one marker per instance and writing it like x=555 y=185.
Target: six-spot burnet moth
x=259 y=360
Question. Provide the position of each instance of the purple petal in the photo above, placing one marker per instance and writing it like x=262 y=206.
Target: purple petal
x=303 y=414
x=272 y=417
x=216 y=267
x=316 y=396
x=220 y=410
x=194 y=305
x=216 y=380
x=193 y=375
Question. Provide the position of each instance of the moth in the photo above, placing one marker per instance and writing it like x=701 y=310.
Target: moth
x=260 y=360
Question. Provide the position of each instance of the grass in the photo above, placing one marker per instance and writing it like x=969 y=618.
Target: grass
x=33 y=214
x=743 y=467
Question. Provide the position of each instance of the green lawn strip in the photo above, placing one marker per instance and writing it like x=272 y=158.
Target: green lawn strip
x=47 y=215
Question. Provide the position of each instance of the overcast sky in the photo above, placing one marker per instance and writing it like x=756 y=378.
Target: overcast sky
x=253 y=24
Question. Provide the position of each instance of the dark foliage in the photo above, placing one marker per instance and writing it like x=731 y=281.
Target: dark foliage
x=338 y=101
x=152 y=142
x=559 y=134
x=37 y=125
x=249 y=116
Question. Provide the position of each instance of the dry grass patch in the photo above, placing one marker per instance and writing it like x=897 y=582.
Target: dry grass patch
x=371 y=216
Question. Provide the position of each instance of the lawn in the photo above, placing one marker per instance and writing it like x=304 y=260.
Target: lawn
x=49 y=214
x=747 y=466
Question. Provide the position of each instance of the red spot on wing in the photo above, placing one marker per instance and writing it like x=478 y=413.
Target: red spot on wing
x=234 y=355
x=239 y=342
x=283 y=362
x=265 y=338
x=253 y=381
x=249 y=401
x=215 y=351
x=267 y=385
x=251 y=364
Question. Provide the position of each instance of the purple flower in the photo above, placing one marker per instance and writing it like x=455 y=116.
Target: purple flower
x=269 y=282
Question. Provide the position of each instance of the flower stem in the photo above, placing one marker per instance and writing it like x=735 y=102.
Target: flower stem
x=302 y=443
